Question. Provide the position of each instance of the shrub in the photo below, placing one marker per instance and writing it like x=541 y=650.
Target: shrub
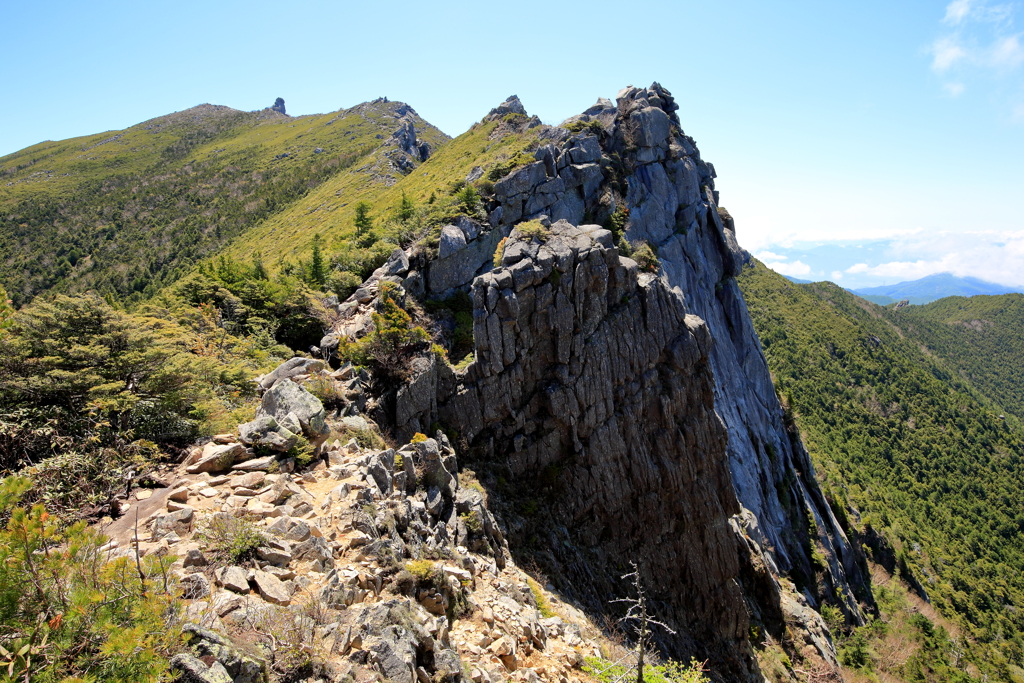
x=646 y=258
x=425 y=571
x=470 y=199
x=593 y=126
x=473 y=522
x=67 y=612
x=231 y=540
x=389 y=347
x=617 y=222
x=531 y=230
x=325 y=388
x=406 y=209
x=418 y=437
x=671 y=671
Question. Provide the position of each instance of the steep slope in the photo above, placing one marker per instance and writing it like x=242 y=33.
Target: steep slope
x=126 y=212
x=908 y=450
x=980 y=337
x=586 y=407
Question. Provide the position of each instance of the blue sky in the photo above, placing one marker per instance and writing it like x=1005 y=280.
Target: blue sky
x=899 y=125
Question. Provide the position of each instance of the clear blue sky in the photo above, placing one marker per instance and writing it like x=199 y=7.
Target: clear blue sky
x=901 y=122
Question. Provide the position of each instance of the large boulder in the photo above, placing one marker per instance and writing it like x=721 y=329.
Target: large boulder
x=265 y=431
x=452 y=240
x=288 y=397
x=191 y=669
x=217 y=457
x=178 y=522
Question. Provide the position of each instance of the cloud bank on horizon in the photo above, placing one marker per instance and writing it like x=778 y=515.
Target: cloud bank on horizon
x=987 y=255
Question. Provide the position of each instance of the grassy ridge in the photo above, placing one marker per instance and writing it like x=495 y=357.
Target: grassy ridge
x=902 y=438
x=127 y=212
x=329 y=210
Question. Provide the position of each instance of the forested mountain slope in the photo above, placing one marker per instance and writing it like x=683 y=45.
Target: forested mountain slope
x=905 y=447
x=980 y=336
x=127 y=212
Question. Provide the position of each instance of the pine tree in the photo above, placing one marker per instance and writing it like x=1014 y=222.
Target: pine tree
x=406 y=209
x=363 y=221
x=317 y=267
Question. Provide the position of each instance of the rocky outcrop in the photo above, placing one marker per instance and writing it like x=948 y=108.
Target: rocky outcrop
x=278 y=106
x=510 y=106
x=588 y=367
x=632 y=160
x=637 y=407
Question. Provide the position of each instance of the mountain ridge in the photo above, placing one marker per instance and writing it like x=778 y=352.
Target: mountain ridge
x=174 y=189
x=932 y=288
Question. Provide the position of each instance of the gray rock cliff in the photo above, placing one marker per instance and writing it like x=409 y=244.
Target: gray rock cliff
x=637 y=407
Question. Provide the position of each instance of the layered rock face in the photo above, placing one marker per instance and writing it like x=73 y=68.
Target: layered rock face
x=587 y=368
x=633 y=158
x=673 y=206
x=644 y=396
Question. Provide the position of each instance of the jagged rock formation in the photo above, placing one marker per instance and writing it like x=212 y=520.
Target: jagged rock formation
x=647 y=393
x=279 y=106
x=586 y=365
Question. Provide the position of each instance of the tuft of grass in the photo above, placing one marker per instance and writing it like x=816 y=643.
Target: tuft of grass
x=543 y=606
x=499 y=252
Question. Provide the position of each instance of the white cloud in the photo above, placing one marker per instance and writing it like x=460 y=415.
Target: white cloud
x=957 y=10
x=953 y=89
x=837 y=275
x=1007 y=53
x=945 y=53
x=794 y=269
x=770 y=256
x=989 y=255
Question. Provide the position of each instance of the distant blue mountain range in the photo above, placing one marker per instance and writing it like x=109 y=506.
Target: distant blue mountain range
x=932 y=287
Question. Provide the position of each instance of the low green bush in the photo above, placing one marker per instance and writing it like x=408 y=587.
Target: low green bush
x=68 y=612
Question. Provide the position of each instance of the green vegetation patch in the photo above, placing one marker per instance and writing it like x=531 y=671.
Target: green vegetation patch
x=917 y=449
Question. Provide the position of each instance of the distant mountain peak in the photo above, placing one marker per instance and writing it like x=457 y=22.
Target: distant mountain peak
x=933 y=287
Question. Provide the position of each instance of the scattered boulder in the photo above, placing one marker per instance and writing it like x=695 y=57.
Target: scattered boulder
x=193 y=670
x=179 y=522
x=195 y=587
x=234 y=579
x=216 y=457
x=272 y=589
x=256 y=464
